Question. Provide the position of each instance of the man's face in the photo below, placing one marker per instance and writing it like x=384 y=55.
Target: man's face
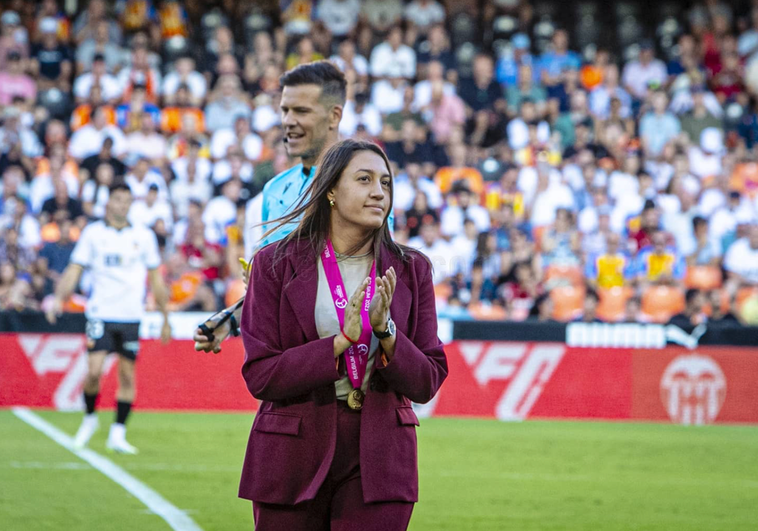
x=395 y=38
x=101 y=31
x=659 y=102
x=698 y=302
x=464 y=198
x=560 y=41
x=659 y=242
x=185 y=65
x=305 y=120
x=483 y=68
x=436 y=70
x=241 y=127
x=428 y=233
x=98 y=68
x=119 y=203
x=753 y=237
x=612 y=243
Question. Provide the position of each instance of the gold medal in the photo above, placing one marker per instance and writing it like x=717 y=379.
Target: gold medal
x=355 y=399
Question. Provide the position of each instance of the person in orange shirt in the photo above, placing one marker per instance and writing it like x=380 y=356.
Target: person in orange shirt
x=171 y=117
x=459 y=171
x=172 y=19
x=82 y=115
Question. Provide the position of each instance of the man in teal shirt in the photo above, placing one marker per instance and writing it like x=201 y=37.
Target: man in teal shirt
x=313 y=96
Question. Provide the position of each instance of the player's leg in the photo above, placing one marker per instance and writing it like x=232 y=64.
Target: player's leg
x=127 y=355
x=99 y=343
x=90 y=424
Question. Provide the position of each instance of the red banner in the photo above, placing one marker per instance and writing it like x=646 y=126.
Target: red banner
x=504 y=380
x=48 y=370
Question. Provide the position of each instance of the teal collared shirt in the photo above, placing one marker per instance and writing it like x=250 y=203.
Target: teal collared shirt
x=282 y=193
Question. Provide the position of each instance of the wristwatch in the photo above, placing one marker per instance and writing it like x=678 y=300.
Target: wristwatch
x=387 y=333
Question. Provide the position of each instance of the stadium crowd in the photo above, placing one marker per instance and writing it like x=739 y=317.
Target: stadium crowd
x=543 y=181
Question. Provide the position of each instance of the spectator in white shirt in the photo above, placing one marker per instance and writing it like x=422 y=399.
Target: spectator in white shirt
x=466 y=207
x=184 y=73
x=436 y=249
x=15 y=214
x=347 y=59
x=409 y=182
x=221 y=211
x=141 y=72
x=202 y=166
x=43 y=186
x=99 y=43
x=392 y=58
x=741 y=260
x=463 y=248
x=192 y=186
x=235 y=165
x=600 y=97
x=387 y=95
x=705 y=160
x=241 y=136
x=550 y=195
x=381 y=15
x=146 y=142
x=747 y=44
x=359 y=112
x=725 y=219
x=14 y=133
x=424 y=14
x=110 y=88
x=228 y=103
x=152 y=209
x=142 y=177
x=423 y=89
x=639 y=75
x=339 y=16
x=88 y=140
x=96 y=191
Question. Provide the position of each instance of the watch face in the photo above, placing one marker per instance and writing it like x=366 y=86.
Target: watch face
x=391 y=327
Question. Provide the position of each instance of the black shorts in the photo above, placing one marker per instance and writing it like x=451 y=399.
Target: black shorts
x=121 y=338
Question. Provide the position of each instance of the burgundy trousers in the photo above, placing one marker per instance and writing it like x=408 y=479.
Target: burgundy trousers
x=338 y=505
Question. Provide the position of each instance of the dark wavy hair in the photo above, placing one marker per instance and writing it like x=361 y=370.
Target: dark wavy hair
x=315 y=213
x=322 y=73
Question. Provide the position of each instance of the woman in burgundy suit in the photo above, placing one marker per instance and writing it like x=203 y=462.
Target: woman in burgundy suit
x=340 y=334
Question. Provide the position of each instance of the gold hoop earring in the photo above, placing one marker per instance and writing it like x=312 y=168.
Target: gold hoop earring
x=331 y=203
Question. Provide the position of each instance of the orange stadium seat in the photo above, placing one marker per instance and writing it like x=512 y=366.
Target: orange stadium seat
x=234 y=291
x=743 y=294
x=567 y=302
x=183 y=289
x=537 y=234
x=75 y=304
x=442 y=292
x=660 y=303
x=487 y=312
x=612 y=305
x=572 y=274
x=703 y=277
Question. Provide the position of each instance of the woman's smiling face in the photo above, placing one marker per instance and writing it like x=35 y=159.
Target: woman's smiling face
x=362 y=195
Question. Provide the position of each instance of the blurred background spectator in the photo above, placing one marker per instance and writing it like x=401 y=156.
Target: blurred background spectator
x=554 y=162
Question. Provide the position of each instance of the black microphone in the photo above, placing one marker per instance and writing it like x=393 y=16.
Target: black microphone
x=285 y=140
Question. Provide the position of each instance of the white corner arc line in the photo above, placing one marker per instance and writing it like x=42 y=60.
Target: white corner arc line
x=174 y=517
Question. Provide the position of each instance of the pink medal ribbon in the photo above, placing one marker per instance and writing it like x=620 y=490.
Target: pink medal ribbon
x=356 y=356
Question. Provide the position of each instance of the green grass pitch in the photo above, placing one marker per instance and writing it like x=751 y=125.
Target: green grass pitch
x=475 y=474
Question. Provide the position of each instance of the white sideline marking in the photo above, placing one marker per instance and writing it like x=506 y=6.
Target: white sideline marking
x=174 y=517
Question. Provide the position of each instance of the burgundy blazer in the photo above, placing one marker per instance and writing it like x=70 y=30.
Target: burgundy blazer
x=292 y=372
